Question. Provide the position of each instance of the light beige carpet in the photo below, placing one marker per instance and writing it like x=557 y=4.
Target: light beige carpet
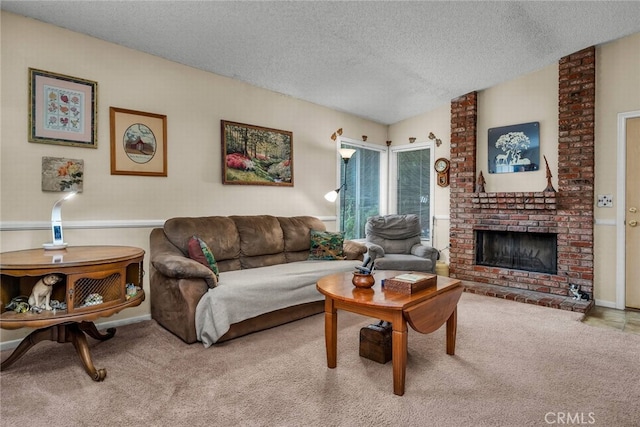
x=515 y=365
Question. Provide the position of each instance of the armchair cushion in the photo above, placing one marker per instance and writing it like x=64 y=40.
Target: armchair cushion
x=404 y=262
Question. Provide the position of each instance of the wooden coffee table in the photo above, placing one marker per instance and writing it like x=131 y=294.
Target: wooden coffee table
x=425 y=311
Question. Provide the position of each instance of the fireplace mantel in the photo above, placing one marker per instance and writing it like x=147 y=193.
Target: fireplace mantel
x=515 y=201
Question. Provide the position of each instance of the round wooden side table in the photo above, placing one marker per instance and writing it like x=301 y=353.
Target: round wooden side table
x=93 y=284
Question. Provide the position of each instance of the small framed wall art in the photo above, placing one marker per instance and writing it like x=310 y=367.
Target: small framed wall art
x=514 y=148
x=60 y=174
x=138 y=143
x=62 y=109
x=254 y=155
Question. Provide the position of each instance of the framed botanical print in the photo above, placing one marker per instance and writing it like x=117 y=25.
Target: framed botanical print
x=61 y=174
x=62 y=109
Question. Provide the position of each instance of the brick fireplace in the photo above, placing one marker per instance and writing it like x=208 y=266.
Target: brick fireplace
x=566 y=214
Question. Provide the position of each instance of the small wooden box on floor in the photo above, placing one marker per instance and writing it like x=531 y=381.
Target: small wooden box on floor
x=421 y=281
x=375 y=342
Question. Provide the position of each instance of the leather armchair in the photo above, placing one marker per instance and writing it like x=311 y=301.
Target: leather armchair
x=394 y=243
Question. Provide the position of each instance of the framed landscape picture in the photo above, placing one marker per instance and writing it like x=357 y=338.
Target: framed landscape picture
x=514 y=148
x=138 y=143
x=62 y=109
x=254 y=155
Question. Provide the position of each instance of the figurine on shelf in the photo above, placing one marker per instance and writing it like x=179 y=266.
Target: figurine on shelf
x=18 y=304
x=480 y=183
x=132 y=291
x=41 y=292
x=549 y=185
x=93 y=299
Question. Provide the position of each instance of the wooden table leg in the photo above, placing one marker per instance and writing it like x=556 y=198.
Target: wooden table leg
x=29 y=341
x=79 y=340
x=452 y=326
x=65 y=333
x=331 y=332
x=90 y=329
x=399 y=353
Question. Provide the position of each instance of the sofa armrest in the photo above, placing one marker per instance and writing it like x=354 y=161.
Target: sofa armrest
x=425 y=251
x=354 y=250
x=174 y=302
x=181 y=267
x=172 y=263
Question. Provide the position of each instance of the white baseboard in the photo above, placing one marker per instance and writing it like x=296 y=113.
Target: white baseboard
x=607 y=304
x=9 y=345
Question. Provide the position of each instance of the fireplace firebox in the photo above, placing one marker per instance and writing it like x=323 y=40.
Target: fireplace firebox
x=535 y=252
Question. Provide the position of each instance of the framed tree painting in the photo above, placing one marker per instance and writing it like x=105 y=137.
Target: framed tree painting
x=254 y=155
x=514 y=148
x=138 y=143
x=62 y=109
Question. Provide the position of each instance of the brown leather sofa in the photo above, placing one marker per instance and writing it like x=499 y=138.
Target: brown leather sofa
x=239 y=243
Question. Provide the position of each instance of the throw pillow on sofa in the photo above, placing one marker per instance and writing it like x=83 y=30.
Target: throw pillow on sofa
x=326 y=245
x=199 y=251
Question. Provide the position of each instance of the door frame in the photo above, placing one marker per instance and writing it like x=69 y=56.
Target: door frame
x=621 y=177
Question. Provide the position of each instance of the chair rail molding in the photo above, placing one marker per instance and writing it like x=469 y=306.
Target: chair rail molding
x=84 y=225
x=98 y=224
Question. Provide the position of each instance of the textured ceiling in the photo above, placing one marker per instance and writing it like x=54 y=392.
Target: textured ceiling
x=385 y=61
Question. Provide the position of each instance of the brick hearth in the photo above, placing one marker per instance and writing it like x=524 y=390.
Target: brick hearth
x=567 y=213
x=529 y=297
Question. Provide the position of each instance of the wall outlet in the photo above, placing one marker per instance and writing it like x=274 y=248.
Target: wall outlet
x=605 y=201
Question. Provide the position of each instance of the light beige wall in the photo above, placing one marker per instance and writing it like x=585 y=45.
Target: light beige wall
x=530 y=98
x=534 y=97
x=194 y=102
x=617 y=91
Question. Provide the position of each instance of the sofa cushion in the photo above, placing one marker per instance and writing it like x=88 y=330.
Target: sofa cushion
x=248 y=293
x=199 y=251
x=297 y=235
x=326 y=245
x=261 y=240
x=218 y=232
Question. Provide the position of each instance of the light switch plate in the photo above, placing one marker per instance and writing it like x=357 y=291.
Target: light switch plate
x=605 y=201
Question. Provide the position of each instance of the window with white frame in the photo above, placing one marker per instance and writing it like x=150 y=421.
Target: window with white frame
x=412 y=183
x=374 y=186
x=364 y=192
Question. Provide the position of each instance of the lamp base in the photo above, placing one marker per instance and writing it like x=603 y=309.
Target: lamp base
x=54 y=246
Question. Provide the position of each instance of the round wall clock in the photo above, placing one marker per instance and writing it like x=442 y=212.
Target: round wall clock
x=441 y=165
